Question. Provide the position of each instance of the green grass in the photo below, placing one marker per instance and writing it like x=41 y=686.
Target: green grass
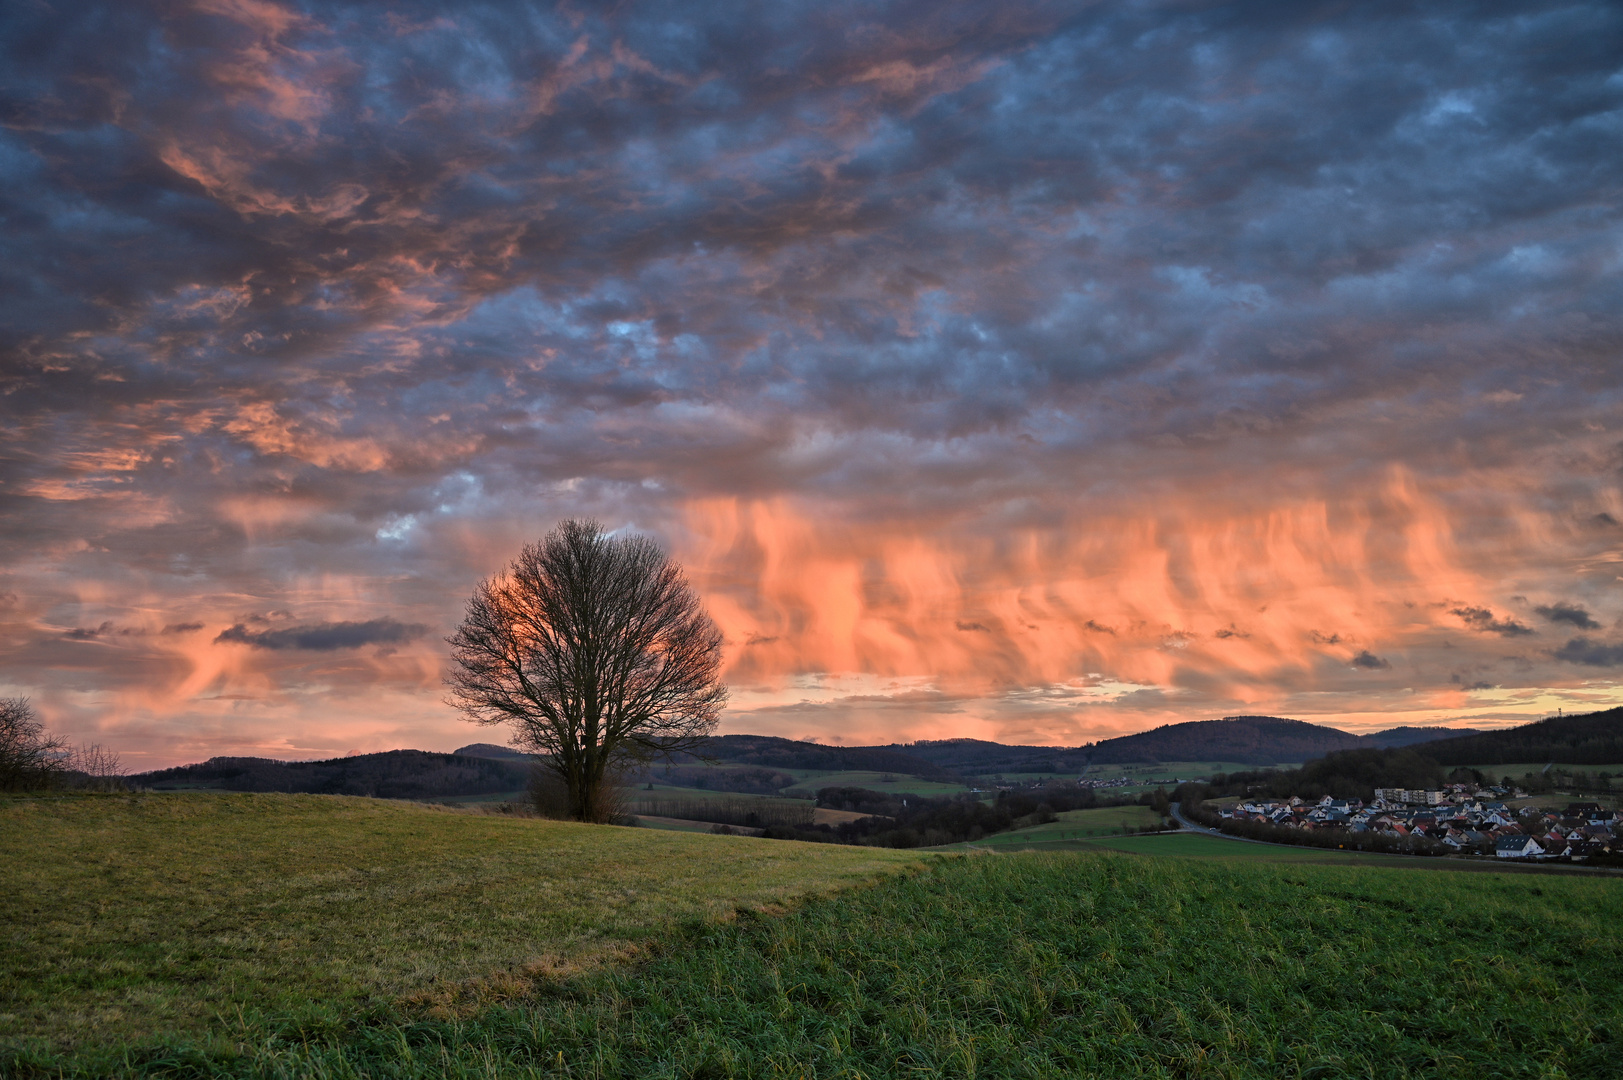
x=1072 y=825
x=1198 y=845
x=128 y=916
x=1038 y=966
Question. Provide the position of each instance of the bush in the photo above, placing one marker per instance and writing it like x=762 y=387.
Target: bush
x=29 y=758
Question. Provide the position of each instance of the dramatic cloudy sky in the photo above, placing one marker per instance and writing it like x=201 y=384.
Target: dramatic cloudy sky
x=1037 y=372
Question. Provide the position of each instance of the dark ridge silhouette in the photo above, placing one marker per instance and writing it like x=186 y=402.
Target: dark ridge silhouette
x=1413 y=736
x=1248 y=740
x=491 y=750
x=769 y=752
x=396 y=774
x=1585 y=739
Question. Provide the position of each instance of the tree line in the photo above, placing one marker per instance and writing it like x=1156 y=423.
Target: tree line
x=32 y=759
x=1345 y=774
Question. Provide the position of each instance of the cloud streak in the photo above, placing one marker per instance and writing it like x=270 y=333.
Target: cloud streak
x=325 y=637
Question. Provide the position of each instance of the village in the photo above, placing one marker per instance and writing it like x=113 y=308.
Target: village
x=1470 y=820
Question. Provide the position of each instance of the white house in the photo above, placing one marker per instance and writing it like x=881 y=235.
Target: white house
x=1516 y=847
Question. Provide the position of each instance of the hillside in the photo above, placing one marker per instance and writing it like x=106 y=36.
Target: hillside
x=1252 y=740
x=979 y=757
x=1586 y=739
x=491 y=750
x=770 y=752
x=395 y=774
x=1392 y=738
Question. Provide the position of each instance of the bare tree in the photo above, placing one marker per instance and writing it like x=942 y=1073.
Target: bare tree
x=98 y=768
x=598 y=652
x=29 y=758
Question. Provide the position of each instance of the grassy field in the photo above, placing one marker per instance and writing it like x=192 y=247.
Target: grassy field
x=132 y=915
x=1072 y=825
x=1034 y=966
x=1197 y=845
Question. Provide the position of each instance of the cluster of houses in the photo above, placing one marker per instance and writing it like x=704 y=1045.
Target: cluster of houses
x=1470 y=821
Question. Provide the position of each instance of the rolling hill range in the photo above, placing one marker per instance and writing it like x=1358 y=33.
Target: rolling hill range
x=485 y=768
x=1248 y=740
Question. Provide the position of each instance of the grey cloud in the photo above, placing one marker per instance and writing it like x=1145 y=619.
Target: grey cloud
x=326 y=637
x=1582 y=650
x=972 y=626
x=1482 y=619
x=1370 y=662
x=1568 y=613
x=182 y=628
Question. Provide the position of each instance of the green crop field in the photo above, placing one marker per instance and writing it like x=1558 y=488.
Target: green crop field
x=129 y=916
x=1072 y=825
x=1027 y=965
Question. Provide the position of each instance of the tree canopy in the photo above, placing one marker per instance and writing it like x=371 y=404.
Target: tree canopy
x=598 y=652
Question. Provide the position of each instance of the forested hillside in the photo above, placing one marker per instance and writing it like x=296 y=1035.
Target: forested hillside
x=769 y=752
x=397 y=774
x=1587 y=739
x=1414 y=736
x=1253 y=740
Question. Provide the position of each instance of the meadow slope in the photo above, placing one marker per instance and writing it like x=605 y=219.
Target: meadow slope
x=133 y=916
x=1026 y=965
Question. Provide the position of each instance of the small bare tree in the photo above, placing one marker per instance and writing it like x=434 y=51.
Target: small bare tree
x=29 y=758
x=598 y=652
x=98 y=768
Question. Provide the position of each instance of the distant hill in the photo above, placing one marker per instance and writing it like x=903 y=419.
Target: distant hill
x=491 y=750
x=1411 y=736
x=978 y=757
x=396 y=774
x=1586 y=739
x=770 y=752
x=1251 y=740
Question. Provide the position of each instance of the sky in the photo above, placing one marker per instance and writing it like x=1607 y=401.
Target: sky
x=1020 y=371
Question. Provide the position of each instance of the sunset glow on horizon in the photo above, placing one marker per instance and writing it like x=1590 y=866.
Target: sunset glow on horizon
x=1029 y=372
